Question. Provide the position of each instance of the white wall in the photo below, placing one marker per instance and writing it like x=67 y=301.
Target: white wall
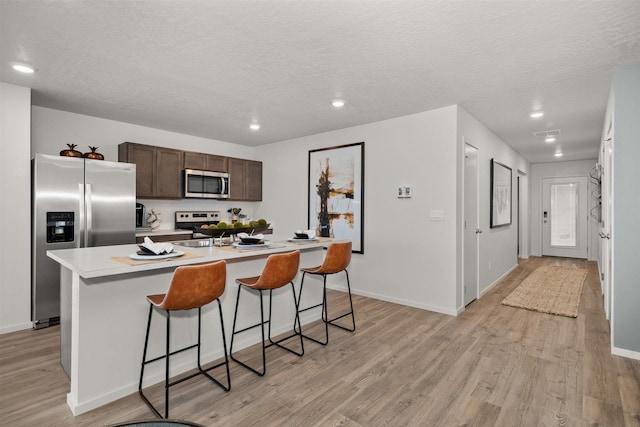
x=15 y=191
x=53 y=129
x=407 y=257
x=498 y=246
x=557 y=170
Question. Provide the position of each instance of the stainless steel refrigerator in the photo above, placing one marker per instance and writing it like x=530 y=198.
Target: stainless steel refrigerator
x=76 y=203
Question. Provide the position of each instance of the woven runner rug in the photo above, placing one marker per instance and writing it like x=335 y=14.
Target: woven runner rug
x=550 y=289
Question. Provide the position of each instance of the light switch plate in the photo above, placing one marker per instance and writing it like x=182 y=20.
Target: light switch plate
x=437 y=215
x=404 y=192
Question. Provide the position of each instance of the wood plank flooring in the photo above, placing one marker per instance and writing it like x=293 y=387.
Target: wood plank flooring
x=491 y=366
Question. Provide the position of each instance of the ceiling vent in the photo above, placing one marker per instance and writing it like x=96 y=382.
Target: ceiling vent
x=547 y=133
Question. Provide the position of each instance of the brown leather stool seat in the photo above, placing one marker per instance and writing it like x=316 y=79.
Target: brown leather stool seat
x=279 y=270
x=336 y=260
x=191 y=287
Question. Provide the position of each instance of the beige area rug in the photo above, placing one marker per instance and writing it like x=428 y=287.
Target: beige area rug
x=550 y=289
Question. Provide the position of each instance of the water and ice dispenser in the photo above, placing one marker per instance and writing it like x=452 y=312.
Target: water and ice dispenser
x=60 y=227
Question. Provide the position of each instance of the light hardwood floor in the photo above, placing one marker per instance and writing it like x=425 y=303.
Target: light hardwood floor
x=492 y=365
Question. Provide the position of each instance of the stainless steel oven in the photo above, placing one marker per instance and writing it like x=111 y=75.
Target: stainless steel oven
x=206 y=184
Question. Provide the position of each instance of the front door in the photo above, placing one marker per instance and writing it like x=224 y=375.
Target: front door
x=564 y=217
x=471 y=228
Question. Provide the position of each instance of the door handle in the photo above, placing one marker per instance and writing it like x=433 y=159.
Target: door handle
x=478 y=231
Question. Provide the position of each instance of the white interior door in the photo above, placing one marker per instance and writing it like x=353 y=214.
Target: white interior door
x=605 y=224
x=564 y=217
x=471 y=224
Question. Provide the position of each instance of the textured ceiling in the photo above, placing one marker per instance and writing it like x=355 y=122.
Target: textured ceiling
x=209 y=68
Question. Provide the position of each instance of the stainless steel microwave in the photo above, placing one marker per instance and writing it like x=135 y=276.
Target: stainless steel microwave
x=206 y=184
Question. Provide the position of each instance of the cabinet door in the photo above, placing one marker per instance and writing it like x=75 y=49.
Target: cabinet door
x=144 y=157
x=195 y=160
x=237 y=177
x=169 y=170
x=216 y=163
x=254 y=181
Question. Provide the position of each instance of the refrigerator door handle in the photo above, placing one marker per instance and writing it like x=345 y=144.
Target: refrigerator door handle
x=81 y=218
x=87 y=232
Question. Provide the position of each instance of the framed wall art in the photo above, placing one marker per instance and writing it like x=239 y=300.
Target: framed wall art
x=336 y=193
x=500 y=194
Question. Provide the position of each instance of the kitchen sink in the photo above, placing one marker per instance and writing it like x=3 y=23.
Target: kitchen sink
x=197 y=243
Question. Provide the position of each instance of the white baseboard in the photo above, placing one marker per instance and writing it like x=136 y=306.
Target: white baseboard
x=630 y=354
x=15 y=328
x=437 y=309
x=498 y=280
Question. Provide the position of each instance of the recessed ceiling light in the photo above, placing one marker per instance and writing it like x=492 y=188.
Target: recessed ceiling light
x=337 y=103
x=22 y=67
x=550 y=139
x=254 y=126
x=536 y=114
x=558 y=154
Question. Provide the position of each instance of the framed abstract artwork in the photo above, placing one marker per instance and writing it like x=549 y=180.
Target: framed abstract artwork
x=500 y=194
x=336 y=193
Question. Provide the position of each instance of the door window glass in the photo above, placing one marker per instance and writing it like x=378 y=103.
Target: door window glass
x=564 y=219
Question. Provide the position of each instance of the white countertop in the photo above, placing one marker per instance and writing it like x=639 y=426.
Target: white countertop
x=97 y=261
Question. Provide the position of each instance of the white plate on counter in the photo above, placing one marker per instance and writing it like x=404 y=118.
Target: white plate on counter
x=147 y=257
x=240 y=245
x=295 y=239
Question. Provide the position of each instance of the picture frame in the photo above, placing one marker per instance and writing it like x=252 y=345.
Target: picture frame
x=336 y=193
x=501 y=194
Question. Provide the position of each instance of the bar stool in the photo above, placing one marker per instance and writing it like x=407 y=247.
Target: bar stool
x=336 y=260
x=191 y=287
x=279 y=270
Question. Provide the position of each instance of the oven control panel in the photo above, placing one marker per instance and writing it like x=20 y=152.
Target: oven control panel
x=203 y=217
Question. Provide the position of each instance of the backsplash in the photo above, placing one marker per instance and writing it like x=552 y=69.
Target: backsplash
x=167 y=209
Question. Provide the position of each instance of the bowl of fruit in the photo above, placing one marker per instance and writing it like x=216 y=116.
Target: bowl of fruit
x=224 y=229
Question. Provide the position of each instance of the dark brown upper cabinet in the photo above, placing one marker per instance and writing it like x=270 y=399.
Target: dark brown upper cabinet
x=158 y=170
x=207 y=162
x=245 y=178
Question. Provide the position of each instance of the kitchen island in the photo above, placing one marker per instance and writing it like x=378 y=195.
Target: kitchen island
x=104 y=313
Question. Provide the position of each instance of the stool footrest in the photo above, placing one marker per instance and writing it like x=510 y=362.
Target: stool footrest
x=251 y=327
x=170 y=354
x=309 y=308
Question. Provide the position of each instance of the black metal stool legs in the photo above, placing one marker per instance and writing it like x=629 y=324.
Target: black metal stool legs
x=261 y=325
x=353 y=319
x=325 y=314
x=169 y=353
